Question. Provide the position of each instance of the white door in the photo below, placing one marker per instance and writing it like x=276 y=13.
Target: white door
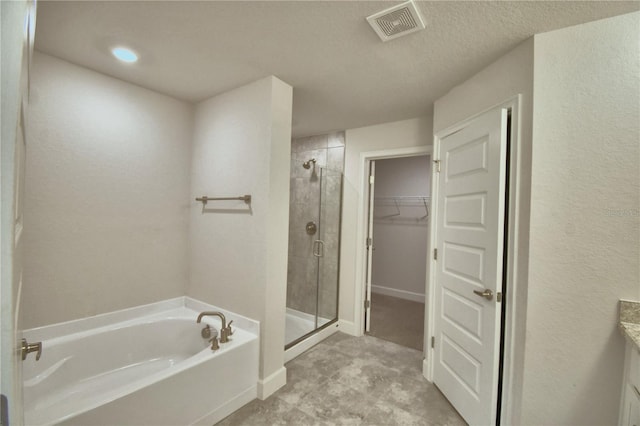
x=17 y=16
x=369 y=243
x=468 y=265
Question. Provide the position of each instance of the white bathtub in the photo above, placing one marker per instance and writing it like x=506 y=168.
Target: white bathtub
x=142 y=366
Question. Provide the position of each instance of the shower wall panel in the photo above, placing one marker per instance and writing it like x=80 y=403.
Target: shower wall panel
x=311 y=288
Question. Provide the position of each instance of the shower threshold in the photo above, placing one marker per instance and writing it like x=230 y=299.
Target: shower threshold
x=308 y=341
x=300 y=325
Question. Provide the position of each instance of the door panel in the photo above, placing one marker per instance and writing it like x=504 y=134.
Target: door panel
x=463 y=314
x=466 y=211
x=461 y=365
x=469 y=158
x=463 y=262
x=469 y=239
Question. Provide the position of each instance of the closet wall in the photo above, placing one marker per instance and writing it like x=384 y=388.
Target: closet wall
x=400 y=229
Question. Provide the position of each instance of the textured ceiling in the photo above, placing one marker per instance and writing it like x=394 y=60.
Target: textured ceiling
x=343 y=75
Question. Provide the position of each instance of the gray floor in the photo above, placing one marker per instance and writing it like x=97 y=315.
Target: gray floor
x=352 y=381
x=397 y=320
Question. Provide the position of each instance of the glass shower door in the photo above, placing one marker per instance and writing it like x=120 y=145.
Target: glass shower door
x=314 y=235
x=329 y=235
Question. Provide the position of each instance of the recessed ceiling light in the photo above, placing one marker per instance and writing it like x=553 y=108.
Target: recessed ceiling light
x=124 y=54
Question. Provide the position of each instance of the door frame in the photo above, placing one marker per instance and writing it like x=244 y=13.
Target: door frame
x=515 y=291
x=361 y=230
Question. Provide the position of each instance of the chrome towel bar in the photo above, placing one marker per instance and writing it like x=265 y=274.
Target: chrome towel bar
x=204 y=199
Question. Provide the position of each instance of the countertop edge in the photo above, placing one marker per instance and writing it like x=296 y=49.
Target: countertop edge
x=631 y=332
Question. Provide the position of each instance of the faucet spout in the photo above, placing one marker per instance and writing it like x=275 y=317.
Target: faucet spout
x=212 y=313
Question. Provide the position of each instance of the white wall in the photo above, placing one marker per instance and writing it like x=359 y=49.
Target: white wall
x=400 y=255
x=510 y=75
x=106 y=210
x=411 y=133
x=585 y=220
x=242 y=143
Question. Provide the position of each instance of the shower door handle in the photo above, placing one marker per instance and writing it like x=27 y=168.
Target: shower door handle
x=318 y=248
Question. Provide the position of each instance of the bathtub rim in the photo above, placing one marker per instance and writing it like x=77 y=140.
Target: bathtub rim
x=57 y=330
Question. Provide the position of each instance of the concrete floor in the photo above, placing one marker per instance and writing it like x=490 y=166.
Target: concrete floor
x=397 y=320
x=349 y=380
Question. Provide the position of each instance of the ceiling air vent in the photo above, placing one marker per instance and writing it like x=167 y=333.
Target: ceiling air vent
x=396 y=21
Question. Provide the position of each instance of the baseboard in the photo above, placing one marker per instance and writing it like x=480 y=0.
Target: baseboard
x=425 y=369
x=400 y=294
x=229 y=407
x=348 y=327
x=271 y=384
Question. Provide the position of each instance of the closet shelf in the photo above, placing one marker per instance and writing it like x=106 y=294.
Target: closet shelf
x=409 y=201
x=395 y=208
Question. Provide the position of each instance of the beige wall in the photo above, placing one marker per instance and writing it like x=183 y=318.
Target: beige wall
x=415 y=132
x=510 y=75
x=277 y=240
x=238 y=253
x=585 y=220
x=107 y=194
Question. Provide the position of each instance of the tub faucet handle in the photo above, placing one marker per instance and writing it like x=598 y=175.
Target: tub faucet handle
x=225 y=333
x=31 y=347
x=208 y=331
x=214 y=343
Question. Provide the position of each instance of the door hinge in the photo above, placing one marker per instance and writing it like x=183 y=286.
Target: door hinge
x=369 y=242
x=433 y=341
x=372 y=178
x=437 y=162
x=435 y=254
x=498 y=297
x=367 y=304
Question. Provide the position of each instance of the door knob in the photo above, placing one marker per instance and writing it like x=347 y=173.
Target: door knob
x=33 y=347
x=487 y=294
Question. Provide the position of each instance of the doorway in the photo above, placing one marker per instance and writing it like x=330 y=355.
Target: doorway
x=397 y=241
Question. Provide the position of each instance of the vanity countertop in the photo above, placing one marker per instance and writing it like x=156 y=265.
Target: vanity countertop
x=630 y=321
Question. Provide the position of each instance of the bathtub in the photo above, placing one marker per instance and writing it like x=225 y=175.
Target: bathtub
x=147 y=365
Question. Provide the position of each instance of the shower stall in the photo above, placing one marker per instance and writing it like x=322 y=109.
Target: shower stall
x=315 y=208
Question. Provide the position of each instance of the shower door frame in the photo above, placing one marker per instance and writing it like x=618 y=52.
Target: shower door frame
x=333 y=321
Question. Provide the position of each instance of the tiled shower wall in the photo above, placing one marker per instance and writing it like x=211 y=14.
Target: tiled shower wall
x=308 y=278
